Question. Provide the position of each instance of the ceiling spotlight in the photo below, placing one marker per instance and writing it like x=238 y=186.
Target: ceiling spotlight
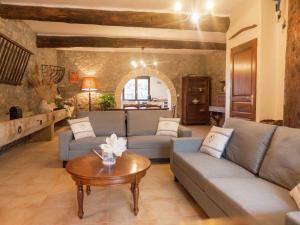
x=134 y=64
x=144 y=65
x=154 y=63
x=209 y=5
x=195 y=17
x=178 y=6
x=142 y=62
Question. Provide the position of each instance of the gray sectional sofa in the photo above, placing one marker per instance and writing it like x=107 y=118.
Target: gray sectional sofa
x=260 y=166
x=138 y=126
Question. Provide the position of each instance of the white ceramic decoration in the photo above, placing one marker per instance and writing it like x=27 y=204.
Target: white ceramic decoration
x=45 y=107
x=113 y=148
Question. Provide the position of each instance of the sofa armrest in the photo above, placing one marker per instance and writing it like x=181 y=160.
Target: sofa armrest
x=292 y=218
x=186 y=144
x=184 y=131
x=64 y=139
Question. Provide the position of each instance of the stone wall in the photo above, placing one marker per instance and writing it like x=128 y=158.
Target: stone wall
x=23 y=95
x=109 y=69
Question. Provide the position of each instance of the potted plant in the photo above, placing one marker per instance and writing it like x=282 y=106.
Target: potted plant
x=106 y=102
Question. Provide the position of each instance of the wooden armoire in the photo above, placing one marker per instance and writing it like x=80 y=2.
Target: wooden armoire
x=195 y=100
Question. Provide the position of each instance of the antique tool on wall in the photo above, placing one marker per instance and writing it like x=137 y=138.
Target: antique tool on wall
x=13 y=61
x=53 y=74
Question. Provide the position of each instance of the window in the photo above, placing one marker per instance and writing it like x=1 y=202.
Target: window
x=137 y=89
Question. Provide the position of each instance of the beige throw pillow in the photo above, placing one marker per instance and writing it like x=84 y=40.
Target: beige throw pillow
x=295 y=194
x=168 y=127
x=215 y=142
x=81 y=128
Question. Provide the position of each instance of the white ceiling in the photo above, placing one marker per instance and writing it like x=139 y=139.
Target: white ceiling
x=222 y=7
x=52 y=28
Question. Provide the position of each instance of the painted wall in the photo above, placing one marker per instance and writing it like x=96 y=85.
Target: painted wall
x=158 y=89
x=271 y=55
x=109 y=68
x=23 y=95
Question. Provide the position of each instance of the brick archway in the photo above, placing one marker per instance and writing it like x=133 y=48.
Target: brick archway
x=148 y=71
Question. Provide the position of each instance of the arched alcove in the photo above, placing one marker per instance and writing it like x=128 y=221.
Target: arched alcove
x=148 y=72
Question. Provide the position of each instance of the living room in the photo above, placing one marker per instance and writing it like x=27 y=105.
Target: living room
x=149 y=112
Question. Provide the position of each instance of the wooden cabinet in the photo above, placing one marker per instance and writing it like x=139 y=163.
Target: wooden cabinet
x=13 y=130
x=195 y=100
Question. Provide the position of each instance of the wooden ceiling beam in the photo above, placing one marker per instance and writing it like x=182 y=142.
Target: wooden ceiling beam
x=105 y=42
x=114 y=18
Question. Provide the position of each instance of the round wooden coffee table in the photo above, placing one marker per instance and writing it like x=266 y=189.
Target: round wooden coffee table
x=88 y=170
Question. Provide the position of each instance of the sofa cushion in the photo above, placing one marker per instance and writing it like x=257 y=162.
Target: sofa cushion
x=200 y=166
x=105 y=123
x=255 y=197
x=144 y=142
x=144 y=122
x=248 y=143
x=87 y=144
x=215 y=142
x=281 y=164
x=81 y=128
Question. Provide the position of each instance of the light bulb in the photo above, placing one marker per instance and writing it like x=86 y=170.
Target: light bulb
x=133 y=63
x=178 y=6
x=195 y=17
x=154 y=63
x=144 y=65
x=142 y=62
x=209 y=5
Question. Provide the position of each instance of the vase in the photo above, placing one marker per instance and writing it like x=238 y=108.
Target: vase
x=108 y=158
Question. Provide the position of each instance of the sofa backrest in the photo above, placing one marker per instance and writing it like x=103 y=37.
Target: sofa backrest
x=248 y=143
x=144 y=122
x=105 y=123
x=282 y=161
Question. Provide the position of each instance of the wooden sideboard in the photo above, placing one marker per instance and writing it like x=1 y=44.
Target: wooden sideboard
x=40 y=126
x=195 y=100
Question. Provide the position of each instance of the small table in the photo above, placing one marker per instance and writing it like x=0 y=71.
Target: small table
x=88 y=170
x=217 y=114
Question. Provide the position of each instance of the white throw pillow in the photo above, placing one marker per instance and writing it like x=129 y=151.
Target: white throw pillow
x=215 y=142
x=81 y=128
x=295 y=194
x=168 y=127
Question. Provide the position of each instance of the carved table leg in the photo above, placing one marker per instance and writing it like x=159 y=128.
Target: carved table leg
x=80 y=200
x=88 y=189
x=132 y=188
x=135 y=193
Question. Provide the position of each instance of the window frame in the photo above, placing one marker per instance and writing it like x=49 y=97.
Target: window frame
x=136 y=89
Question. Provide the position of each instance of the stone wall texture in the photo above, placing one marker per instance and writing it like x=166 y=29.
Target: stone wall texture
x=23 y=95
x=110 y=68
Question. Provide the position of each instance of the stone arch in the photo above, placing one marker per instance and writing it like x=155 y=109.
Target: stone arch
x=148 y=71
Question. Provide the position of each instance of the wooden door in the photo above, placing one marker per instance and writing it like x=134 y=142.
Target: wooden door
x=243 y=80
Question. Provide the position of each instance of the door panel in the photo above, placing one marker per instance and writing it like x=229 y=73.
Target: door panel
x=243 y=80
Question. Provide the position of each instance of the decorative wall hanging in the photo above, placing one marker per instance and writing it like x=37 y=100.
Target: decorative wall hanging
x=13 y=61
x=44 y=88
x=53 y=74
x=74 y=77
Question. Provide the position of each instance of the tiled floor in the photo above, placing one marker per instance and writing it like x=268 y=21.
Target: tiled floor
x=36 y=190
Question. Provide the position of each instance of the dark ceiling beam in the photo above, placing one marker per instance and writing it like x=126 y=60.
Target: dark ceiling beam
x=113 y=18
x=105 y=42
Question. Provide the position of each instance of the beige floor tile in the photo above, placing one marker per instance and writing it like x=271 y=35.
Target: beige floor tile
x=189 y=208
x=55 y=216
x=17 y=216
x=162 y=209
